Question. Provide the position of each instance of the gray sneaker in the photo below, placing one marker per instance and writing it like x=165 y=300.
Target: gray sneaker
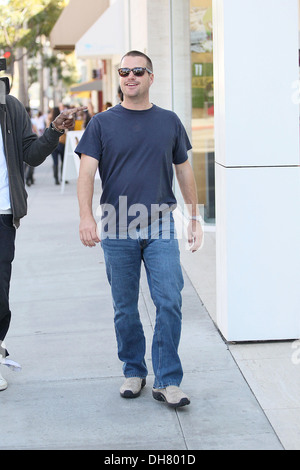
x=132 y=387
x=172 y=395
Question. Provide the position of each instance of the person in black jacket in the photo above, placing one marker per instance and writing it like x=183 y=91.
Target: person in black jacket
x=18 y=145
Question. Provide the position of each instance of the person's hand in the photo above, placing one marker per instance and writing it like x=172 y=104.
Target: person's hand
x=195 y=235
x=88 y=231
x=66 y=119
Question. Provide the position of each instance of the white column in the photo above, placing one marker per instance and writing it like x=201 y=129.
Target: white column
x=257 y=169
x=160 y=29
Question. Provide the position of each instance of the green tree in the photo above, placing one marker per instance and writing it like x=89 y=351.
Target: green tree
x=23 y=22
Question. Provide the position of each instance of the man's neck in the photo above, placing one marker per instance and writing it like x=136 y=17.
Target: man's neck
x=136 y=106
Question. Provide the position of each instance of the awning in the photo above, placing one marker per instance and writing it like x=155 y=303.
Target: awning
x=87 y=86
x=107 y=35
x=74 y=21
x=81 y=95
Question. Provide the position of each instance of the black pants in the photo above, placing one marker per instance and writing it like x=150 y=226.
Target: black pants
x=7 y=251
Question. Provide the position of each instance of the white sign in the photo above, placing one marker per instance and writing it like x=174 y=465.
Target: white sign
x=71 y=160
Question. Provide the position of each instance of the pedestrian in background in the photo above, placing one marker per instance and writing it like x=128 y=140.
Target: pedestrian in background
x=58 y=152
x=135 y=145
x=88 y=114
x=18 y=145
x=40 y=123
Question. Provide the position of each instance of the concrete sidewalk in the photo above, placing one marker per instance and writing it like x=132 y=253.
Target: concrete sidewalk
x=67 y=395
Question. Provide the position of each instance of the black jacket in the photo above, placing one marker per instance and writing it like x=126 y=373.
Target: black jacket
x=22 y=145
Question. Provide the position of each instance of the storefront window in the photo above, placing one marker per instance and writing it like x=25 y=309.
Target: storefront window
x=203 y=104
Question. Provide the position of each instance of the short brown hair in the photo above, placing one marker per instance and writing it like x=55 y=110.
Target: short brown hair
x=139 y=54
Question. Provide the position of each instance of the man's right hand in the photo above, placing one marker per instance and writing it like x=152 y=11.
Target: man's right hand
x=88 y=231
x=66 y=119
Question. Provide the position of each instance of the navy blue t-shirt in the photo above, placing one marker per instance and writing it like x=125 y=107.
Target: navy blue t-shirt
x=136 y=151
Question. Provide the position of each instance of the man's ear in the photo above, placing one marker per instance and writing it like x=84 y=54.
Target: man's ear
x=151 y=76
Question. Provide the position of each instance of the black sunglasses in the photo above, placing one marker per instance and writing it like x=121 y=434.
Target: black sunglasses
x=137 y=71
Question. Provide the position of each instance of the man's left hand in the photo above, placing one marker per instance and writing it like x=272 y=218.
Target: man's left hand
x=195 y=235
x=66 y=119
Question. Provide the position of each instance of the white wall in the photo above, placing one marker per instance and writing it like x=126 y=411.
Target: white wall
x=257 y=169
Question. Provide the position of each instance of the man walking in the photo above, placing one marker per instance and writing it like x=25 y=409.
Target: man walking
x=135 y=145
x=18 y=145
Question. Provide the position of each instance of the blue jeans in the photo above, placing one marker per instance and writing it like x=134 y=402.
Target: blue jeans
x=7 y=251
x=123 y=258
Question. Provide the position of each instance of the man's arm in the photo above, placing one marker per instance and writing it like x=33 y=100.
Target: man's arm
x=85 y=190
x=187 y=184
x=36 y=150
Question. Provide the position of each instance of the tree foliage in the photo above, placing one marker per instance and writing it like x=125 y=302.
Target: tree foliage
x=23 y=24
x=23 y=21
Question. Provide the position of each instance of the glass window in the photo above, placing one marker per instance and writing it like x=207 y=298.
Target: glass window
x=201 y=29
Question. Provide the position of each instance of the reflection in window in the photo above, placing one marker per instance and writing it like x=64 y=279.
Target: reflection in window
x=203 y=104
